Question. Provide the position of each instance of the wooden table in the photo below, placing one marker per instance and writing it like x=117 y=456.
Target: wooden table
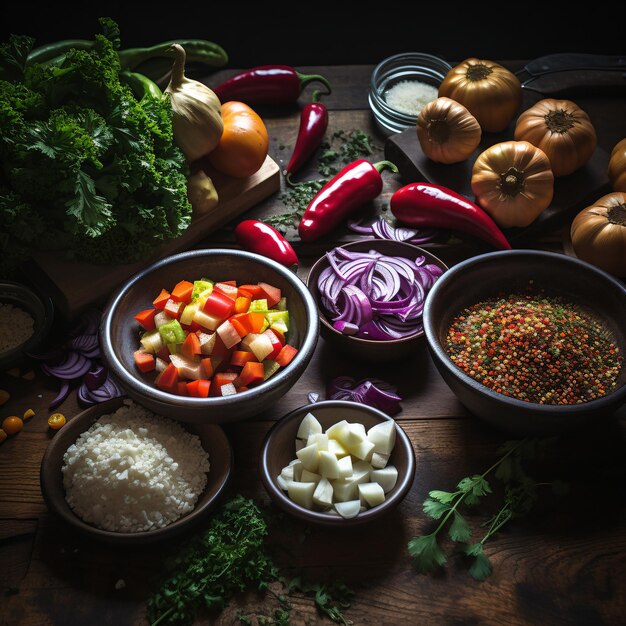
x=563 y=564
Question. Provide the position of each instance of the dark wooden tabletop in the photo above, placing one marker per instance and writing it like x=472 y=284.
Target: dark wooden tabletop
x=564 y=563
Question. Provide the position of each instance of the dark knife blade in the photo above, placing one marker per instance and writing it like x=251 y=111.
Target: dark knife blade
x=568 y=84
x=572 y=61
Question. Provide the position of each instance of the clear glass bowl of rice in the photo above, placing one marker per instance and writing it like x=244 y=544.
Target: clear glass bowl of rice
x=401 y=85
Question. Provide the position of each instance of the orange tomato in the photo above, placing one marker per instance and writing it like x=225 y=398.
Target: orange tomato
x=12 y=424
x=244 y=143
x=56 y=421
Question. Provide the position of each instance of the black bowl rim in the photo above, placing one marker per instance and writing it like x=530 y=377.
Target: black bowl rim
x=40 y=333
x=374 y=242
x=404 y=484
x=128 y=380
x=66 y=513
x=441 y=355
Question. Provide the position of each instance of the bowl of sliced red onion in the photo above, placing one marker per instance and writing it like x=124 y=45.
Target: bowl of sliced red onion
x=370 y=296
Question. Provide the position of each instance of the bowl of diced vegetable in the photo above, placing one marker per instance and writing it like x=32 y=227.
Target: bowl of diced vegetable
x=337 y=463
x=212 y=335
x=26 y=320
x=119 y=473
x=370 y=296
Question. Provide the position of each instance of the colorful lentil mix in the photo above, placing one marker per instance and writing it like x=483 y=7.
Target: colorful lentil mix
x=535 y=348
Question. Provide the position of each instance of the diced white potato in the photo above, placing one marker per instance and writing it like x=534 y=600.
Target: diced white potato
x=363 y=450
x=328 y=465
x=319 y=439
x=152 y=341
x=349 y=509
x=353 y=436
x=336 y=448
x=161 y=318
x=287 y=472
x=297 y=468
x=310 y=457
x=345 y=466
x=228 y=334
x=371 y=494
x=309 y=477
x=160 y=365
x=360 y=472
x=344 y=490
x=261 y=346
x=210 y=322
x=338 y=431
x=383 y=436
x=301 y=493
x=282 y=483
x=378 y=460
x=323 y=494
x=186 y=367
x=207 y=342
x=308 y=426
x=359 y=428
x=386 y=478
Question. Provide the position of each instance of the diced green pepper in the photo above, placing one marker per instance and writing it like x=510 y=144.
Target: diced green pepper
x=172 y=332
x=270 y=367
x=278 y=320
x=172 y=348
x=199 y=286
x=258 y=306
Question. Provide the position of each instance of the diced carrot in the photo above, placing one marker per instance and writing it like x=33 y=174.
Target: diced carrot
x=242 y=304
x=228 y=288
x=241 y=328
x=250 y=291
x=207 y=366
x=252 y=373
x=181 y=388
x=285 y=356
x=199 y=388
x=161 y=299
x=271 y=293
x=144 y=361
x=253 y=322
x=167 y=380
x=241 y=357
x=182 y=292
x=191 y=346
x=146 y=318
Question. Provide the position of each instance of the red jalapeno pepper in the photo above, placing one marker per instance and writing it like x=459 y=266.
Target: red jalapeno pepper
x=313 y=125
x=357 y=183
x=433 y=206
x=263 y=239
x=267 y=84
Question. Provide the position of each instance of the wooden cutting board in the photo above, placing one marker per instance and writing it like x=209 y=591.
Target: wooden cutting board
x=76 y=286
x=571 y=193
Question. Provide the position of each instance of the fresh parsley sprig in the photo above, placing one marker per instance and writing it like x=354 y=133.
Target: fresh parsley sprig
x=520 y=495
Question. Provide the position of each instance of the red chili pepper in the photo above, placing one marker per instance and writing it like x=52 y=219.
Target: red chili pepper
x=261 y=238
x=267 y=84
x=357 y=183
x=313 y=125
x=433 y=206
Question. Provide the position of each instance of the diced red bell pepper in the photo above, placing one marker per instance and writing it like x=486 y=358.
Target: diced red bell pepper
x=228 y=288
x=285 y=356
x=241 y=328
x=182 y=292
x=194 y=327
x=219 y=380
x=242 y=304
x=281 y=336
x=191 y=346
x=252 y=373
x=164 y=353
x=167 y=380
x=146 y=318
x=144 y=361
x=199 y=388
x=173 y=308
x=250 y=291
x=160 y=301
x=181 y=388
x=276 y=345
x=219 y=305
x=271 y=293
x=207 y=366
x=240 y=357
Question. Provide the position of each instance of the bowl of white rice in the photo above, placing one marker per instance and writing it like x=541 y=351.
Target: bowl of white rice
x=120 y=473
x=25 y=320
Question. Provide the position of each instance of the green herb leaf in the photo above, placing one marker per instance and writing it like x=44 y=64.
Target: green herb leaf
x=435 y=509
x=459 y=529
x=481 y=566
x=426 y=553
x=442 y=496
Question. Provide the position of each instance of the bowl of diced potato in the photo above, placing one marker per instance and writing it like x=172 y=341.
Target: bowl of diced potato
x=337 y=463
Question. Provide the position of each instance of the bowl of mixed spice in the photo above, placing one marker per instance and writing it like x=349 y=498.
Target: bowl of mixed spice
x=531 y=341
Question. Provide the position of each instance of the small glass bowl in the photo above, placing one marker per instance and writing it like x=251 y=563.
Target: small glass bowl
x=425 y=68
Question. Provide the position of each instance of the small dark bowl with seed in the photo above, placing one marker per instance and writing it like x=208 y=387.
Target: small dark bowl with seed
x=532 y=342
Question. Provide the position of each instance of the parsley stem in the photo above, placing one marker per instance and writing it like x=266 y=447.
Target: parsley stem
x=164 y=616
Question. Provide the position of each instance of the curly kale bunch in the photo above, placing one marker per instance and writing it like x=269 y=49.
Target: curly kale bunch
x=86 y=169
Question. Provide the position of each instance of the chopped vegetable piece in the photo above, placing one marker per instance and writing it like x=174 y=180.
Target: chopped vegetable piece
x=240 y=357
x=207 y=321
x=191 y=346
x=199 y=388
x=252 y=373
x=173 y=308
x=242 y=304
x=207 y=367
x=270 y=367
x=146 y=318
x=56 y=421
x=181 y=388
x=144 y=361
x=271 y=293
x=203 y=287
x=228 y=389
x=28 y=413
x=188 y=313
x=228 y=334
x=285 y=356
x=172 y=332
x=227 y=289
x=161 y=300
x=250 y=291
x=167 y=380
x=12 y=424
x=277 y=346
x=182 y=292
x=219 y=305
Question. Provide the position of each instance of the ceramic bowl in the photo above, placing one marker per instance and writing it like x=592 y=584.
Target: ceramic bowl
x=212 y=438
x=119 y=335
x=357 y=347
x=41 y=310
x=510 y=271
x=278 y=450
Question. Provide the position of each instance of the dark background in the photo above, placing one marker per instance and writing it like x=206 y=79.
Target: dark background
x=320 y=33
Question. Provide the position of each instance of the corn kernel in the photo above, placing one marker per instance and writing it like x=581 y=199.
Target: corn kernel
x=28 y=414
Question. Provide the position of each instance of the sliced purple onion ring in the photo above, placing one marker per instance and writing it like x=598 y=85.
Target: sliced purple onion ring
x=382 y=229
x=370 y=391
